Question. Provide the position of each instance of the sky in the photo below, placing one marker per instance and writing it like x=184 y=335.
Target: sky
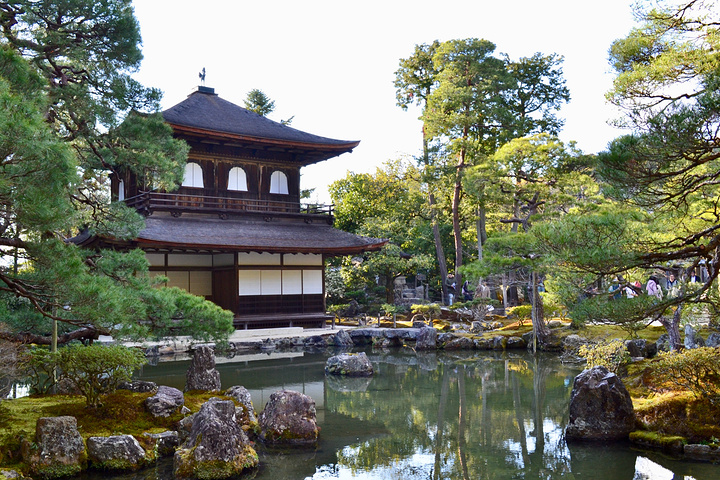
x=331 y=64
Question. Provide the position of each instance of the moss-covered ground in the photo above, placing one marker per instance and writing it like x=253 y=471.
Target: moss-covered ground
x=122 y=412
x=664 y=413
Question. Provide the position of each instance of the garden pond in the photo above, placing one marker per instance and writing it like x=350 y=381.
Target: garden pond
x=461 y=415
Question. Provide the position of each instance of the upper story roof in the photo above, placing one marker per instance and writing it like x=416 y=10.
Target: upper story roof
x=203 y=114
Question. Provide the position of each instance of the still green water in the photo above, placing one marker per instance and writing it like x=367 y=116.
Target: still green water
x=430 y=416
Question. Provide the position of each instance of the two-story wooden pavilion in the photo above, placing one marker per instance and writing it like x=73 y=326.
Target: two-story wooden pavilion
x=235 y=232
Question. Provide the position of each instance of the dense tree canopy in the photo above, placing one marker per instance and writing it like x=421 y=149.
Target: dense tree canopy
x=662 y=179
x=473 y=102
x=71 y=114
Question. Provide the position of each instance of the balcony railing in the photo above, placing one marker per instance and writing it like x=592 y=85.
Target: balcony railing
x=149 y=202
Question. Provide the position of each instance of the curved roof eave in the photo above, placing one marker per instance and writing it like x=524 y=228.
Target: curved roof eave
x=332 y=251
x=336 y=148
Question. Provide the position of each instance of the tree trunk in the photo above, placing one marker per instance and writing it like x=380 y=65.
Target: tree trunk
x=457 y=232
x=439 y=250
x=390 y=290
x=481 y=231
x=672 y=326
x=540 y=330
x=504 y=289
x=513 y=300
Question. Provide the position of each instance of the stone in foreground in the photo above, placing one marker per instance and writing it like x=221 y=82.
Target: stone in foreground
x=600 y=407
x=58 y=450
x=165 y=402
x=217 y=447
x=289 y=418
x=117 y=452
x=202 y=374
x=350 y=364
x=244 y=413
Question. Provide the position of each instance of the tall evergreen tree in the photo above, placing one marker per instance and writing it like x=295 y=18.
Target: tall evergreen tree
x=72 y=114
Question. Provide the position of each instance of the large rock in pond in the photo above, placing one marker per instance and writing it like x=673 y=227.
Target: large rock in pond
x=217 y=447
x=289 y=418
x=117 y=452
x=202 y=374
x=350 y=364
x=58 y=450
x=600 y=407
x=244 y=412
x=165 y=402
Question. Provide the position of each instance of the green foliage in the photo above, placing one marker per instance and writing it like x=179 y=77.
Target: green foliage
x=696 y=370
x=609 y=354
x=95 y=370
x=358 y=295
x=70 y=116
x=521 y=311
x=390 y=263
x=428 y=311
x=628 y=314
x=553 y=306
x=337 y=308
x=391 y=309
x=39 y=365
x=334 y=285
x=256 y=101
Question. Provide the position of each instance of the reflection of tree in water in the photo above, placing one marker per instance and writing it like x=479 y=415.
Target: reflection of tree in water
x=476 y=418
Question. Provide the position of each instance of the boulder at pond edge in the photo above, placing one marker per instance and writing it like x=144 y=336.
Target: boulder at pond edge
x=216 y=447
x=600 y=407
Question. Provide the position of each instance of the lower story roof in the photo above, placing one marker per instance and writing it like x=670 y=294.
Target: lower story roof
x=207 y=232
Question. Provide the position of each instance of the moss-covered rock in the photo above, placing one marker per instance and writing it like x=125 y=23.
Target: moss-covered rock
x=58 y=450
x=217 y=447
x=116 y=452
x=656 y=441
x=289 y=418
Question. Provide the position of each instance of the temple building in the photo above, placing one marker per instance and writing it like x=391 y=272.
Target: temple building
x=236 y=231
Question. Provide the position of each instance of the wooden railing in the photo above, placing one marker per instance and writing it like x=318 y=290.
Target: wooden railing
x=148 y=202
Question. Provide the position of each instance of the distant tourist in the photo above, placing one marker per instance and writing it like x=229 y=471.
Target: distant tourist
x=653 y=289
x=467 y=294
x=672 y=286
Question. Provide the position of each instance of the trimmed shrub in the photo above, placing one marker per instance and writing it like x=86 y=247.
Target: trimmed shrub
x=96 y=369
x=521 y=312
x=428 y=311
x=696 y=370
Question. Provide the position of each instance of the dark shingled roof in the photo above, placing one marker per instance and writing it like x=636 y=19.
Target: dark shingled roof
x=205 y=110
x=213 y=233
